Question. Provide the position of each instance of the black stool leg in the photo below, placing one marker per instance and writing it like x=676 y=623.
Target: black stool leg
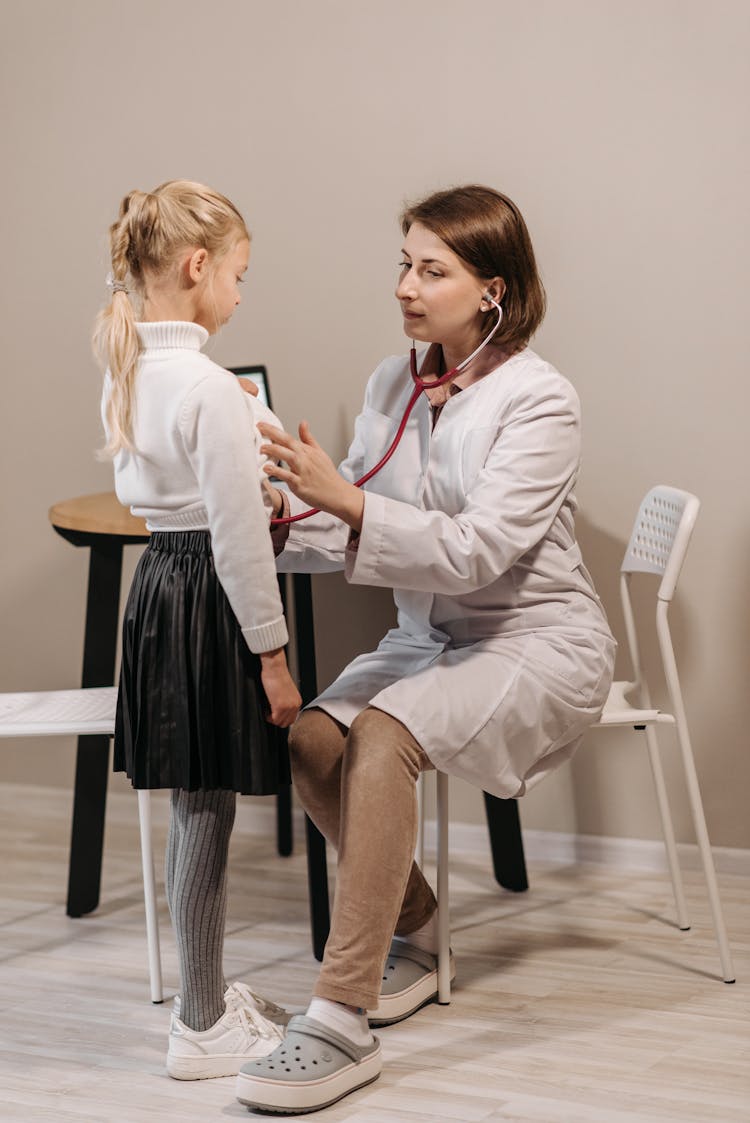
x=317 y=867
x=284 y=828
x=284 y=833
x=317 y=884
x=92 y=760
x=506 y=842
x=87 y=830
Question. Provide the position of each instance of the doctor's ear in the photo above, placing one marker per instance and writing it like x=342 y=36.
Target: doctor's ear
x=492 y=294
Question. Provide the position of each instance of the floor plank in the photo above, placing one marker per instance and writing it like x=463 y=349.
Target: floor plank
x=577 y=1002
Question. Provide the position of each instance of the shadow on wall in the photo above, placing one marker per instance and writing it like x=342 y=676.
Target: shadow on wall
x=349 y=620
x=603 y=785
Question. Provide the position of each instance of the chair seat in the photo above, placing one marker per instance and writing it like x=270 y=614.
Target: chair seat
x=88 y=712
x=618 y=710
x=58 y=712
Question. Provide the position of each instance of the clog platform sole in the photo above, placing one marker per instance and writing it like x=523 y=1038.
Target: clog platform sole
x=312 y=1069
x=410 y=981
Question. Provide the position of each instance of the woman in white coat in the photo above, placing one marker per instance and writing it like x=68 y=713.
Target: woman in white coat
x=501 y=656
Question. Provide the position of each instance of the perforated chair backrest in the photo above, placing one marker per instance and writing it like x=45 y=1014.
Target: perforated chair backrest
x=661 y=535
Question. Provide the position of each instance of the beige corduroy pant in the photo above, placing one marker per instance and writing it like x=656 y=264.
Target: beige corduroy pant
x=359 y=788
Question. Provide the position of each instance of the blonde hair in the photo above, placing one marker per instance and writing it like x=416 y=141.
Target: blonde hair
x=151 y=231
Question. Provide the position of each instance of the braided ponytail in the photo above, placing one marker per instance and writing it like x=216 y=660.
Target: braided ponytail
x=150 y=232
x=115 y=337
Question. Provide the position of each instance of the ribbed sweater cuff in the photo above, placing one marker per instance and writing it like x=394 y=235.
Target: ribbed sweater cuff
x=267 y=637
x=195 y=518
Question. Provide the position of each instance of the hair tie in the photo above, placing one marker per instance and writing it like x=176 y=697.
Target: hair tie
x=115 y=286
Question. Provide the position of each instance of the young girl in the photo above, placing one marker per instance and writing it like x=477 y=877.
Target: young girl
x=203 y=666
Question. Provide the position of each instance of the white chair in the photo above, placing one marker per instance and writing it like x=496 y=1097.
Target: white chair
x=83 y=712
x=443 y=858
x=658 y=544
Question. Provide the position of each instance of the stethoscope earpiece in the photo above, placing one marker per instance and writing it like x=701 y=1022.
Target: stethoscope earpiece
x=451 y=374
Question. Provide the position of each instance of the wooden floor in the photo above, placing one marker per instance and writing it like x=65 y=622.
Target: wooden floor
x=577 y=1002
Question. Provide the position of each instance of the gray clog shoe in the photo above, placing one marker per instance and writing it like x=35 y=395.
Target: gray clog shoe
x=313 y=1068
x=409 y=982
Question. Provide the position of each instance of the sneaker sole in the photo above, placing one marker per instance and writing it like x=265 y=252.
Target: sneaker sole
x=204 y=1068
x=396 y=1007
x=294 y=1098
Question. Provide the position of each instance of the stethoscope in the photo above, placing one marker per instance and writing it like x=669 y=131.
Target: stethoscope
x=419 y=387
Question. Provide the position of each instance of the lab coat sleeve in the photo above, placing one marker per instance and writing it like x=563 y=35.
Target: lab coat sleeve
x=509 y=509
x=222 y=445
x=315 y=545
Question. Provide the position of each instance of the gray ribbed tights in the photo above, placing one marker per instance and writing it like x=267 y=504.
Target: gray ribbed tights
x=200 y=826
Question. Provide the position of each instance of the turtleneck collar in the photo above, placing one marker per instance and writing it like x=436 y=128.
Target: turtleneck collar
x=171 y=334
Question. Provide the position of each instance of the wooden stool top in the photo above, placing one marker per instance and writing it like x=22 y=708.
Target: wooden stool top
x=97 y=514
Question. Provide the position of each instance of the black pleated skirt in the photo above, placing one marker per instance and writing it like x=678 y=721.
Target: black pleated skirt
x=190 y=709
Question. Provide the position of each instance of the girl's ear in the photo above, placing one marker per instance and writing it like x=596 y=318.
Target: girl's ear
x=196 y=266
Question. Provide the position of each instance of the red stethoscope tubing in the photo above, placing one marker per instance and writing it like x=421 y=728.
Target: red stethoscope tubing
x=419 y=387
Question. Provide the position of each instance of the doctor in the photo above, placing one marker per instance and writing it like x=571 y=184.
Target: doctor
x=501 y=656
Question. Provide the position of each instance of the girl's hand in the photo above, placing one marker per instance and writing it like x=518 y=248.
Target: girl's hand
x=249 y=387
x=277 y=502
x=284 y=699
x=311 y=474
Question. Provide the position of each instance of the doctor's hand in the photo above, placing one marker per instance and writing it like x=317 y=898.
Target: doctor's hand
x=311 y=474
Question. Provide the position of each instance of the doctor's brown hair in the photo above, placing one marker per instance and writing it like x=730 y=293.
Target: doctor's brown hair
x=487 y=231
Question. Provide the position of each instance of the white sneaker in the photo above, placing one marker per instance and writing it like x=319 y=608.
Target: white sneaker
x=241 y=1034
x=238 y=994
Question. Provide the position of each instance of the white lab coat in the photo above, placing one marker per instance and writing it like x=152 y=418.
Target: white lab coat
x=502 y=655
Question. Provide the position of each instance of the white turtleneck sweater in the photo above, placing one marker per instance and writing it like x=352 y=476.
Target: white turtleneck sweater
x=197 y=466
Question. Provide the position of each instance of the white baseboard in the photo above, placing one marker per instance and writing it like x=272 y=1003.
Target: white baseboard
x=616 y=853
x=258 y=816
x=539 y=846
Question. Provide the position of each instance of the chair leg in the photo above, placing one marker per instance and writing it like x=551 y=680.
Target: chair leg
x=444 y=923
x=419 y=850
x=704 y=846
x=667 y=828
x=694 y=794
x=149 y=894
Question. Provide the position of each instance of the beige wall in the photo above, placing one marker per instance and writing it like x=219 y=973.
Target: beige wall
x=621 y=131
